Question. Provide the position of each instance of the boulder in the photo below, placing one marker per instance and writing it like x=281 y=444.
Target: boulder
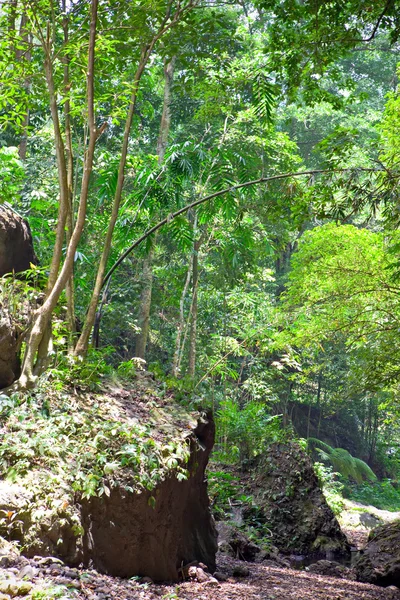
x=42 y=531
x=16 y=247
x=291 y=502
x=329 y=568
x=127 y=534
x=235 y=543
x=380 y=561
x=9 y=361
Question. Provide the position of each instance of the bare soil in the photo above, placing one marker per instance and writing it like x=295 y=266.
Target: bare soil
x=262 y=583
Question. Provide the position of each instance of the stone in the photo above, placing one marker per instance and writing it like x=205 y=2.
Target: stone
x=291 y=504
x=331 y=569
x=44 y=561
x=235 y=543
x=16 y=246
x=219 y=576
x=379 y=563
x=13 y=587
x=127 y=535
x=241 y=571
x=14 y=500
x=201 y=576
x=28 y=572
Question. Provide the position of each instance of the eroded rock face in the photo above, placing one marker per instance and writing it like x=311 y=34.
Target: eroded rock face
x=16 y=248
x=126 y=536
x=287 y=491
x=9 y=362
x=380 y=561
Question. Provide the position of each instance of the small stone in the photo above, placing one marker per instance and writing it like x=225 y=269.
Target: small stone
x=28 y=572
x=47 y=560
x=212 y=581
x=219 y=576
x=71 y=573
x=201 y=576
x=192 y=572
x=15 y=588
x=5 y=561
x=241 y=571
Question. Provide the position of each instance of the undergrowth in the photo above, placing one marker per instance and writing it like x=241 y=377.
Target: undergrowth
x=380 y=494
x=75 y=445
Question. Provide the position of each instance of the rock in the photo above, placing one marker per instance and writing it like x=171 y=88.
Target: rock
x=241 y=571
x=380 y=561
x=13 y=587
x=370 y=521
x=9 y=362
x=28 y=572
x=126 y=536
x=15 y=502
x=48 y=560
x=291 y=503
x=233 y=542
x=331 y=569
x=219 y=576
x=16 y=247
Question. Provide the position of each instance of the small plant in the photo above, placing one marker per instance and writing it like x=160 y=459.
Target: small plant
x=172 y=595
x=331 y=487
x=222 y=489
x=245 y=432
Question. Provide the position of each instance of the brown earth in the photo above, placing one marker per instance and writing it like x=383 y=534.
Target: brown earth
x=263 y=583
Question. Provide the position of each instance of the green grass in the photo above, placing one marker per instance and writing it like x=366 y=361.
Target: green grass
x=380 y=494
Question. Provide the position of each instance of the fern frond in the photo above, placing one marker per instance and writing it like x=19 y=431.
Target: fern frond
x=342 y=461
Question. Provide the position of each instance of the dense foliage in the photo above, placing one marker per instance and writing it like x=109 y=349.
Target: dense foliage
x=212 y=189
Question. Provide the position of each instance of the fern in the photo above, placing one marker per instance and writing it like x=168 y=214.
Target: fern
x=342 y=461
x=264 y=94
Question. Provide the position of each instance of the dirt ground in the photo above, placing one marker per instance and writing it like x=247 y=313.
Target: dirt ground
x=262 y=583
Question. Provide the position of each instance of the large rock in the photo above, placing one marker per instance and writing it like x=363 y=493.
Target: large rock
x=292 y=504
x=9 y=361
x=16 y=248
x=126 y=534
x=380 y=561
x=43 y=531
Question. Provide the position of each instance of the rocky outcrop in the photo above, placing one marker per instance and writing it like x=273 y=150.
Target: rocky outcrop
x=380 y=561
x=291 y=502
x=128 y=534
x=16 y=248
x=42 y=531
x=235 y=543
x=9 y=361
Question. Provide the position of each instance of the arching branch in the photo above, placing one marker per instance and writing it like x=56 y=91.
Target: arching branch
x=186 y=208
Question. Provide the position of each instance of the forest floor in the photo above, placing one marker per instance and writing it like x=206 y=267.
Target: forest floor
x=262 y=583
x=50 y=579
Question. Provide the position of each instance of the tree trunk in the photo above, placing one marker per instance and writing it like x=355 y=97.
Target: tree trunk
x=70 y=288
x=181 y=323
x=193 y=323
x=42 y=316
x=145 y=306
x=145 y=297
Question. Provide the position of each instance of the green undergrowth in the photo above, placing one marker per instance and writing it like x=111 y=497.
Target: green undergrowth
x=381 y=494
x=87 y=444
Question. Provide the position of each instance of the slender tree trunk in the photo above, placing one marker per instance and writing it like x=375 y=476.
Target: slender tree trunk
x=145 y=306
x=69 y=289
x=181 y=323
x=25 y=39
x=147 y=278
x=193 y=323
x=42 y=316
